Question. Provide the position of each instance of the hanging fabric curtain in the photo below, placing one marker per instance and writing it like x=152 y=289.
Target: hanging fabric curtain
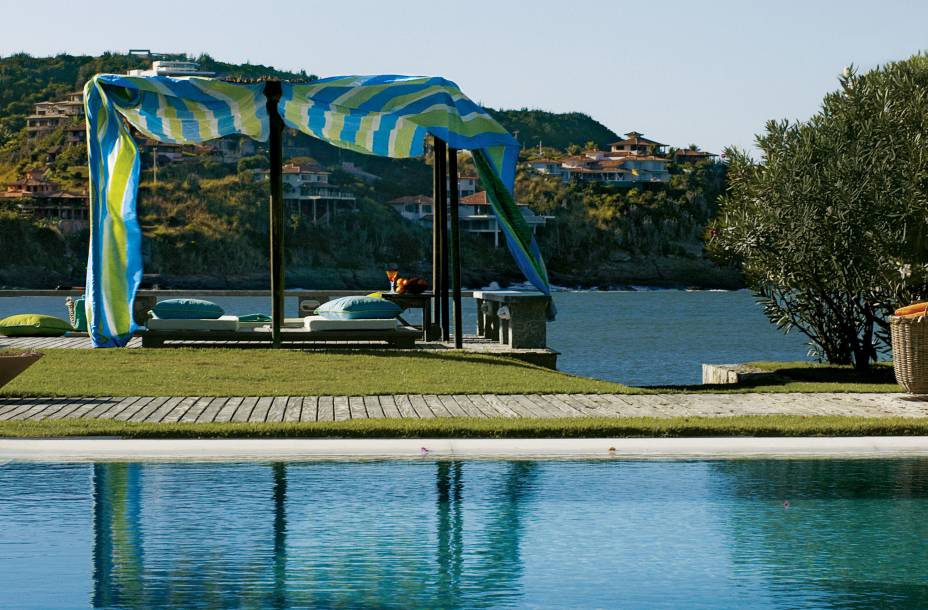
x=381 y=115
x=179 y=111
x=391 y=116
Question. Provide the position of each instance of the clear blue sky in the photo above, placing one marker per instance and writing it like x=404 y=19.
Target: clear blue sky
x=682 y=72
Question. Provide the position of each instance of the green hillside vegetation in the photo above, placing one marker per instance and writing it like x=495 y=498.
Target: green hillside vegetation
x=205 y=222
x=555 y=130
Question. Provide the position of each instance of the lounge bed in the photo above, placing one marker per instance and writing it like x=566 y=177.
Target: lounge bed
x=295 y=331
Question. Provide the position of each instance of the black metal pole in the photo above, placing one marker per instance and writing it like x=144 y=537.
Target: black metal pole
x=443 y=226
x=438 y=150
x=455 y=245
x=272 y=91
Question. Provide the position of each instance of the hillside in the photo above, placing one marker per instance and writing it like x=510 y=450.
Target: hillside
x=554 y=130
x=204 y=219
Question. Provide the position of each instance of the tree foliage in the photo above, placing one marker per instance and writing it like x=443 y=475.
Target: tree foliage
x=831 y=224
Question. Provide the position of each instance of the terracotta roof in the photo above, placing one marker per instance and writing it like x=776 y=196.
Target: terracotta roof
x=478 y=198
x=635 y=137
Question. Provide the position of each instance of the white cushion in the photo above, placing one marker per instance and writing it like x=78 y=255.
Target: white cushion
x=223 y=323
x=321 y=324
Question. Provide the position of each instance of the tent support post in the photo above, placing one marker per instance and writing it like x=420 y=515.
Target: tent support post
x=272 y=90
x=445 y=276
x=438 y=150
x=455 y=245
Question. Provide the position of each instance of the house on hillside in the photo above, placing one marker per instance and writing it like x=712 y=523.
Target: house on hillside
x=172 y=68
x=308 y=193
x=628 y=162
x=35 y=196
x=688 y=155
x=636 y=144
x=50 y=115
x=474 y=212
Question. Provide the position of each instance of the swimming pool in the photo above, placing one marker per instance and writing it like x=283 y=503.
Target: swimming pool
x=577 y=534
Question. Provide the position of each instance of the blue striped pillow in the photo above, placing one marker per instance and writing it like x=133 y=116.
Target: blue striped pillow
x=358 y=308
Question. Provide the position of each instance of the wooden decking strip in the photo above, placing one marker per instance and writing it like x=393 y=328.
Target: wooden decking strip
x=257 y=409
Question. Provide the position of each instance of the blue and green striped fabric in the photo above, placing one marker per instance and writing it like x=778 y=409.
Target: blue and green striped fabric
x=390 y=116
x=183 y=111
x=384 y=115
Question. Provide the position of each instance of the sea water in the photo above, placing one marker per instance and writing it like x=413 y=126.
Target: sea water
x=645 y=337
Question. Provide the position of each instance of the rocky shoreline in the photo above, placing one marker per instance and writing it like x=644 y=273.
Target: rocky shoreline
x=653 y=272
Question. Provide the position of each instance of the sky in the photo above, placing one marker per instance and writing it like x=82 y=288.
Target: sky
x=682 y=72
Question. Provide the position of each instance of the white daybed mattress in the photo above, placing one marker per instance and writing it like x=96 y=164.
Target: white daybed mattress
x=318 y=323
x=223 y=323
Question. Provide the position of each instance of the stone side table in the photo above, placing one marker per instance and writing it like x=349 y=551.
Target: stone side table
x=514 y=317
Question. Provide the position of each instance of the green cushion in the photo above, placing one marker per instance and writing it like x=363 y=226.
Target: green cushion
x=358 y=308
x=80 y=315
x=33 y=325
x=187 y=309
x=255 y=317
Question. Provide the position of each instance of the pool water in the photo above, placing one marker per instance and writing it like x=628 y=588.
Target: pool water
x=475 y=534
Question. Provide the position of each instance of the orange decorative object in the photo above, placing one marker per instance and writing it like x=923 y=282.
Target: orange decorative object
x=916 y=309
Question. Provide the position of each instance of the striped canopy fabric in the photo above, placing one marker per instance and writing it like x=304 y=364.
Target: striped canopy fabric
x=381 y=115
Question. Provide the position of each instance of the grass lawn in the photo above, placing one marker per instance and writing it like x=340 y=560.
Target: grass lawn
x=769 y=425
x=261 y=372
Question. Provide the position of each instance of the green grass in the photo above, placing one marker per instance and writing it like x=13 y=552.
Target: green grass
x=590 y=427
x=804 y=377
x=260 y=372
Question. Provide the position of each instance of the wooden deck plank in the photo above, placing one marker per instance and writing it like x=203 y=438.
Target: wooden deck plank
x=437 y=407
x=404 y=406
x=470 y=408
x=196 y=409
x=162 y=409
x=225 y=413
x=537 y=409
x=119 y=407
x=356 y=408
x=9 y=404
x=26 y=410
x=310 y=410
x=243 y=412
x=423 y=410
x=52 y=406
x=144 y=411
x=208 y=414
x=141 y=403
x=552 y=408
x=342 y=408
x=489 y=403
x=388 y=406
x=293 y=409
x=276 y=412
x=372 y=407
x=102 y=406
x=325 y=409
x=73 y=406
x=259 y=413
x=180 y=409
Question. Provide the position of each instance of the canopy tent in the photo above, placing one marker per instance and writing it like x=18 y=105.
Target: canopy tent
x=385 y=115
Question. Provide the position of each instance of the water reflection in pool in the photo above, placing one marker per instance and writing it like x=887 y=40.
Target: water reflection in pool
x=746 y=534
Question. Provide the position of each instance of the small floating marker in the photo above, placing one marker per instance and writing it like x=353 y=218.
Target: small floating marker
x=786 y=504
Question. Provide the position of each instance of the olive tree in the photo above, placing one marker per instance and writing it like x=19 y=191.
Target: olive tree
x=831 y=224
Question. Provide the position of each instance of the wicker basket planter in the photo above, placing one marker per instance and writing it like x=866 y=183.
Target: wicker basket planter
x=910 y=352
x=12 y=365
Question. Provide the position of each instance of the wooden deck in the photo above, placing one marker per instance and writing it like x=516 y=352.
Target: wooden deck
x=257 y=409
